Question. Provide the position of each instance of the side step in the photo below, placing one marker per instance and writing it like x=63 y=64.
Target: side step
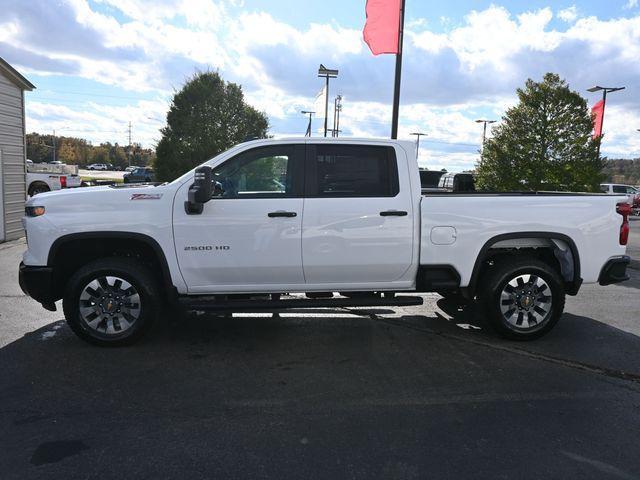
x=211 y=304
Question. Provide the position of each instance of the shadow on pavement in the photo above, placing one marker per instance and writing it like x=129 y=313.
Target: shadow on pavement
x=575 y=338
x=376 y=396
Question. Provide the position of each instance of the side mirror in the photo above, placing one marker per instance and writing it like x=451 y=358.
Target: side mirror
x=200 y=191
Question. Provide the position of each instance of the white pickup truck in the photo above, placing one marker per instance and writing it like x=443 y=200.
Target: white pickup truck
x=342 y=221
x=45 y=177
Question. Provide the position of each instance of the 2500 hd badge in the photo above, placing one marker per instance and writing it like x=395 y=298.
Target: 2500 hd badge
x=201 y=248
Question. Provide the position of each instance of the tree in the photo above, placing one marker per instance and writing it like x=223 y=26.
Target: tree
x=67 y=153
x=37 y=151
x=206 y=117
x=543 y=143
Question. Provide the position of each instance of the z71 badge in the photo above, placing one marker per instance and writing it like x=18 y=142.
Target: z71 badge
x=146 y=196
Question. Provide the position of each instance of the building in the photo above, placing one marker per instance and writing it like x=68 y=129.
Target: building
x=12 y=151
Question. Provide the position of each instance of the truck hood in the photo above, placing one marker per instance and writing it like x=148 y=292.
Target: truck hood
x=100 y=198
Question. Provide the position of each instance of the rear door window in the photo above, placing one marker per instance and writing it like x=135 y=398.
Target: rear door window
x=352 y=171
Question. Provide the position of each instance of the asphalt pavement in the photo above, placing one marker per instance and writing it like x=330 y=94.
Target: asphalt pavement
x=420 y=392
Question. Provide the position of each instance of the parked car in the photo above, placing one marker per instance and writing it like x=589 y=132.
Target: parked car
x=457 y=182
x=97 y=166
x=315 y=216
x=139 y=175
x=130 y=168
x=632 y=193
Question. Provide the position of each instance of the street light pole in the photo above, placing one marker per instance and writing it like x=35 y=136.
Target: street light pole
x=307 y=112
x=484 y=130
x=604 y=90
x=418 y=134
x=327 y=74
x=336 y=110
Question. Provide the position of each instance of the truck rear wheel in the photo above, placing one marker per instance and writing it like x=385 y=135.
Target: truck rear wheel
x=111 y=301
x=38 y=187
x=523 y=299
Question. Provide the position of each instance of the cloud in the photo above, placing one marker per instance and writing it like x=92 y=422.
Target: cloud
x=631 y=4
x=98 y=123
x=570 y=14
x=37 y=62
x=470 y=68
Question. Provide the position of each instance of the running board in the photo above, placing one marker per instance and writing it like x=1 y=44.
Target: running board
x=298 y=303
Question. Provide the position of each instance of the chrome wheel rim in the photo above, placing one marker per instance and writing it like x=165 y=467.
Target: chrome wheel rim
x=526 y=302
x=109 y=305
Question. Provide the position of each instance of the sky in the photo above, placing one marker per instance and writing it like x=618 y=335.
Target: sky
x=100 y=64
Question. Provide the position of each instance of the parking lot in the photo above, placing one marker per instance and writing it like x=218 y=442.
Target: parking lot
x=101 y=174
x=420 y=392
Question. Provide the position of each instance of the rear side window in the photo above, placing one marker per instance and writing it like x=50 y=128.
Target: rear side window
x=353 y=171
x=429 y=179
x=619 y=189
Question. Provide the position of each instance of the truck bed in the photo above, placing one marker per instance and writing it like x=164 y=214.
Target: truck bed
x=455 y=227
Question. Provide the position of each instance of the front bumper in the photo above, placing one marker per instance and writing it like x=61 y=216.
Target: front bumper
x=37 y=282
x=615 y=270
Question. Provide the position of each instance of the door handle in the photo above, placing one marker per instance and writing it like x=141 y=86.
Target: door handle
x=394 y=213
x=282 y=213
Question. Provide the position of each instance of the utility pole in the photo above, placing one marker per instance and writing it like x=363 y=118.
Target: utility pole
x=307 y=112
x=338 y=122
x=129 y=153
x=336 y=110
x=418 y=134
x=54 y=145
x=327 y=74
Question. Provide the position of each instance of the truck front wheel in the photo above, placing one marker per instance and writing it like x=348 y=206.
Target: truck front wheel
x=523 y=299
x=111 y=301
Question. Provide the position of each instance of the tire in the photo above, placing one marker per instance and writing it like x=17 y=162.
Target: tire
x=38 y=187
x=112 y=315
x=523 y=298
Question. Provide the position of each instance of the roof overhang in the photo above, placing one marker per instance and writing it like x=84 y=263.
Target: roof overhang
x=14 y=76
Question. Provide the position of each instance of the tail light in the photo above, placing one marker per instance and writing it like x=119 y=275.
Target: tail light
x=624 y=209
x=63 y=182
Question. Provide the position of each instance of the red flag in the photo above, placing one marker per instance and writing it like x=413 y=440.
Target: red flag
x=382 y=28
x=598 y=114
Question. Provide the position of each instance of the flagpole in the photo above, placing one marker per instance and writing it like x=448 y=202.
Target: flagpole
x=396 y=88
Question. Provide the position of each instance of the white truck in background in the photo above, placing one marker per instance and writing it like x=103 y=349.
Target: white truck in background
x=341 y=220
x=46 y=177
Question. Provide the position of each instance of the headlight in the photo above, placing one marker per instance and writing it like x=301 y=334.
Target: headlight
x=33 y=211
